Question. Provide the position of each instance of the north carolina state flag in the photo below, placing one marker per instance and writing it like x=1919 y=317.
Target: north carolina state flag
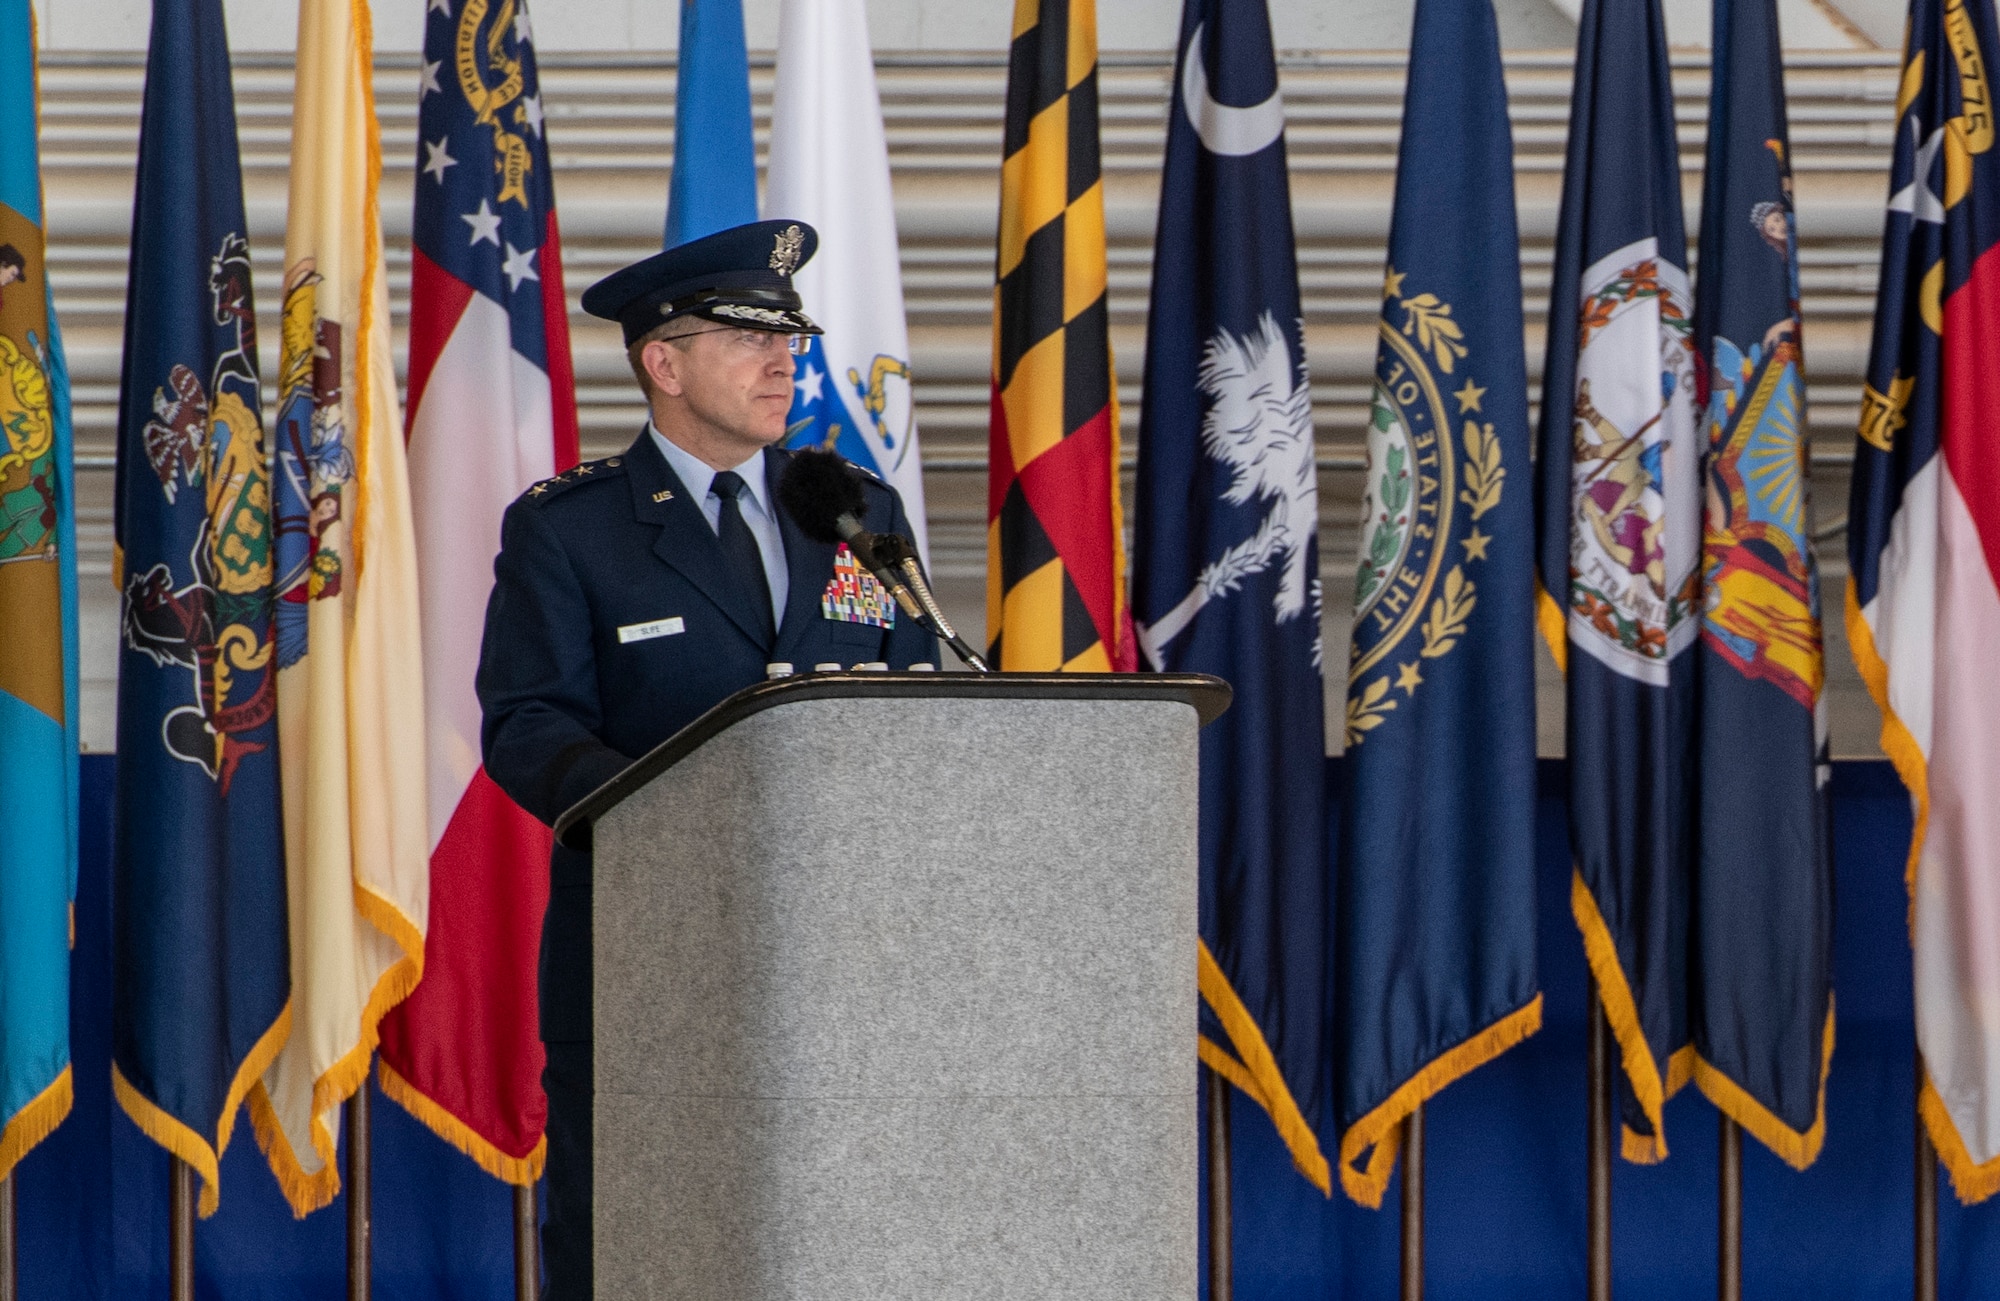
x=492 y=409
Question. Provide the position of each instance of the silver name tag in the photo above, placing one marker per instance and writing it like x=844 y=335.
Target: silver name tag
x=648 y=631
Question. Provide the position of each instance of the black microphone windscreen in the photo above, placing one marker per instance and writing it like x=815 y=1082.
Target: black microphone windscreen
x=816 y=490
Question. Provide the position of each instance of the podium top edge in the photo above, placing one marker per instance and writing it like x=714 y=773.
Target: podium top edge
x=1206 y=694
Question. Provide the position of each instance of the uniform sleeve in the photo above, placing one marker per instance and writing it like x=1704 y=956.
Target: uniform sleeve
x=908 y=642
x=537 y=678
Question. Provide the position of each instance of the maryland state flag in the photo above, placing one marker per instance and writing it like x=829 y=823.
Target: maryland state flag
x=200 y=956
x=350 y=682
x=1923 y=546
x=1436 y=895
x=38 y=676
x=1618 y=524
x=1761 y=994
x=1055 y=567
x=492 y=411
x=1227 y=572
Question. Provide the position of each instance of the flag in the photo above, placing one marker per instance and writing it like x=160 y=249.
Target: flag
x=350 y=685
x=714 y=182
x=1055 y=551
x=1618 y=514
x=1435 y=902
x=38 y=667
x=491 y=411
x=1225 y=573
x=201 y=969
x=830 y=167
x=1923 y=547
x=1761 y=999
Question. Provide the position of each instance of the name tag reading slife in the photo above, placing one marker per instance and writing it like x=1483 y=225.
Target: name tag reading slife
x=648 y=631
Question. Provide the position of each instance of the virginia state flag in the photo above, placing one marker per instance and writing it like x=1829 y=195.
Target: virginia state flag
x=714 y=181
x=200 y=948
x=1761 y=1005
x=38 y=667
x=491 y=411
x=830 y=167
x=1923 y=546
x=350 y=677
x=1226 y=578
x=1618 y=515
x=1436 y=897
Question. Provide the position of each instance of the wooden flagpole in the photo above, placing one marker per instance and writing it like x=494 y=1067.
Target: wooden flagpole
x=10 y=1287
x=1927 y=1207
x=1413 y=1206
x=1221 y=1268
x=1729 y=1212
x=358 y=1195
x=1599 y=1214
x=180 y=1230
x=527 y=1256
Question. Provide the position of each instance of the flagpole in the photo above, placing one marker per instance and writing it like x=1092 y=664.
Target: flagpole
x=358 y=1194
x=1599 y=1223
x=180 y=1230
x=1927 y=1210
x=9 y=1285
x=527 y=1259
x=1221 y=1267
x=1729 y=1210
x=1413 y=1206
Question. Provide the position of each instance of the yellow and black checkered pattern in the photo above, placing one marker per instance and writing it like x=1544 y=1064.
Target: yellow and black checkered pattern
x=1055 y=594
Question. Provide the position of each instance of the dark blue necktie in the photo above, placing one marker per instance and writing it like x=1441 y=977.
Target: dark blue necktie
x=739 y=548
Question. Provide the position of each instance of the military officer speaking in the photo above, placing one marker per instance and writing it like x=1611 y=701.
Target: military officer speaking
x=633 y=593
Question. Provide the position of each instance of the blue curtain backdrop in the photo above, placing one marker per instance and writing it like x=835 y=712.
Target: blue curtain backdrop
x=1506 y=1148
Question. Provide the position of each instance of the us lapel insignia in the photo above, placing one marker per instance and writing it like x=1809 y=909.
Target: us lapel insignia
x=664 y=494
x=855 y=595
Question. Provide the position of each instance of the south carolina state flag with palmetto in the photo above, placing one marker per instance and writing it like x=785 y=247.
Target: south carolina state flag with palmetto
x=1923 y=596
x=492 y=409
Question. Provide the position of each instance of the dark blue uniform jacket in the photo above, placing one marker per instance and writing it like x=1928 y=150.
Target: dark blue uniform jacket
x=566 y=705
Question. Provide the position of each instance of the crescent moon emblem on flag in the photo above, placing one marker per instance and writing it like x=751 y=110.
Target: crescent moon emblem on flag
x=1233 y=132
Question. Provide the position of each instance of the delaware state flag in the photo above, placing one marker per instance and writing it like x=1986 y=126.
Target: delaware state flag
x=491 y=410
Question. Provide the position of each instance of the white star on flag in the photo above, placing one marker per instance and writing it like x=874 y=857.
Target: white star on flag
x=531 y=108
x=524 y=31
x=439 y=6
x=485 y=224
x=430 y=81
x=436 y=159
x=519 y=265
x=811 y=380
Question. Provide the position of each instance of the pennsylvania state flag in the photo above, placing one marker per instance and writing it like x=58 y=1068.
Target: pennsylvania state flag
x=1618 y=517
x=1761 y=995
x=1436 y=891
x=201 y=960
x=1227 y=573
x=38 y=667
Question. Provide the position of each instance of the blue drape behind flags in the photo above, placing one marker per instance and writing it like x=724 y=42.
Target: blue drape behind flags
x=1618 y=507
x=200 y=948
x=1226 y=561
x=1761 y=1003
x=38 y=635
x=714 y=183
x=1435 y=903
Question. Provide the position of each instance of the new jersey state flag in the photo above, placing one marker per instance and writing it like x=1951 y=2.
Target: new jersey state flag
x=1761 y=997
x=1226 y=572
x=491 y=411
x=1923 y=547
x=38 y=666
x=1618 y=541
x=350 y=676
x=1435 y=910
x=830 y=167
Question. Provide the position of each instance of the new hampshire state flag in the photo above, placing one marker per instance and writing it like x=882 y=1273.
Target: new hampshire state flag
x=1435 y=904
x=1226 y=563
x=38 y=674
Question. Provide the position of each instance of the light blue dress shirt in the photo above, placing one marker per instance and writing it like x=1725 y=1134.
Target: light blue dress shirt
x=759 y=511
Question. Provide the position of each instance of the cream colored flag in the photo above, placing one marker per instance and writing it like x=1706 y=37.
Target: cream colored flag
x=350 y=687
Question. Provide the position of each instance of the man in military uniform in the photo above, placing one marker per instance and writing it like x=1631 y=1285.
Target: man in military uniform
x=634 y=593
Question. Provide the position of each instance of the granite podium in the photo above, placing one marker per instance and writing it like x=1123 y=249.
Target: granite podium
x=895 y=992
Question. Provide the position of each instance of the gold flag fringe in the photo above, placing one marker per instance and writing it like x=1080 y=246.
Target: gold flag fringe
x=1254 y=1055
x=36 y=1121
x=519 y=1170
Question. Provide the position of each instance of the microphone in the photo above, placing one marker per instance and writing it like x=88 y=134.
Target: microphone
x=824 y=498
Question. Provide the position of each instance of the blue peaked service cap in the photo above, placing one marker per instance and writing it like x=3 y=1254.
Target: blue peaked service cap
x=740 y=276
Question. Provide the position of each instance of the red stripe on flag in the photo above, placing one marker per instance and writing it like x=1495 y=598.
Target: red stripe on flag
x=1971 y=433
x=555 y=340
x=437 y=299
x=1069 y=488
x=468 y=1039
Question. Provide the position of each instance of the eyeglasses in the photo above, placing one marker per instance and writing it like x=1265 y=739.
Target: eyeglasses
x=757 y=341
